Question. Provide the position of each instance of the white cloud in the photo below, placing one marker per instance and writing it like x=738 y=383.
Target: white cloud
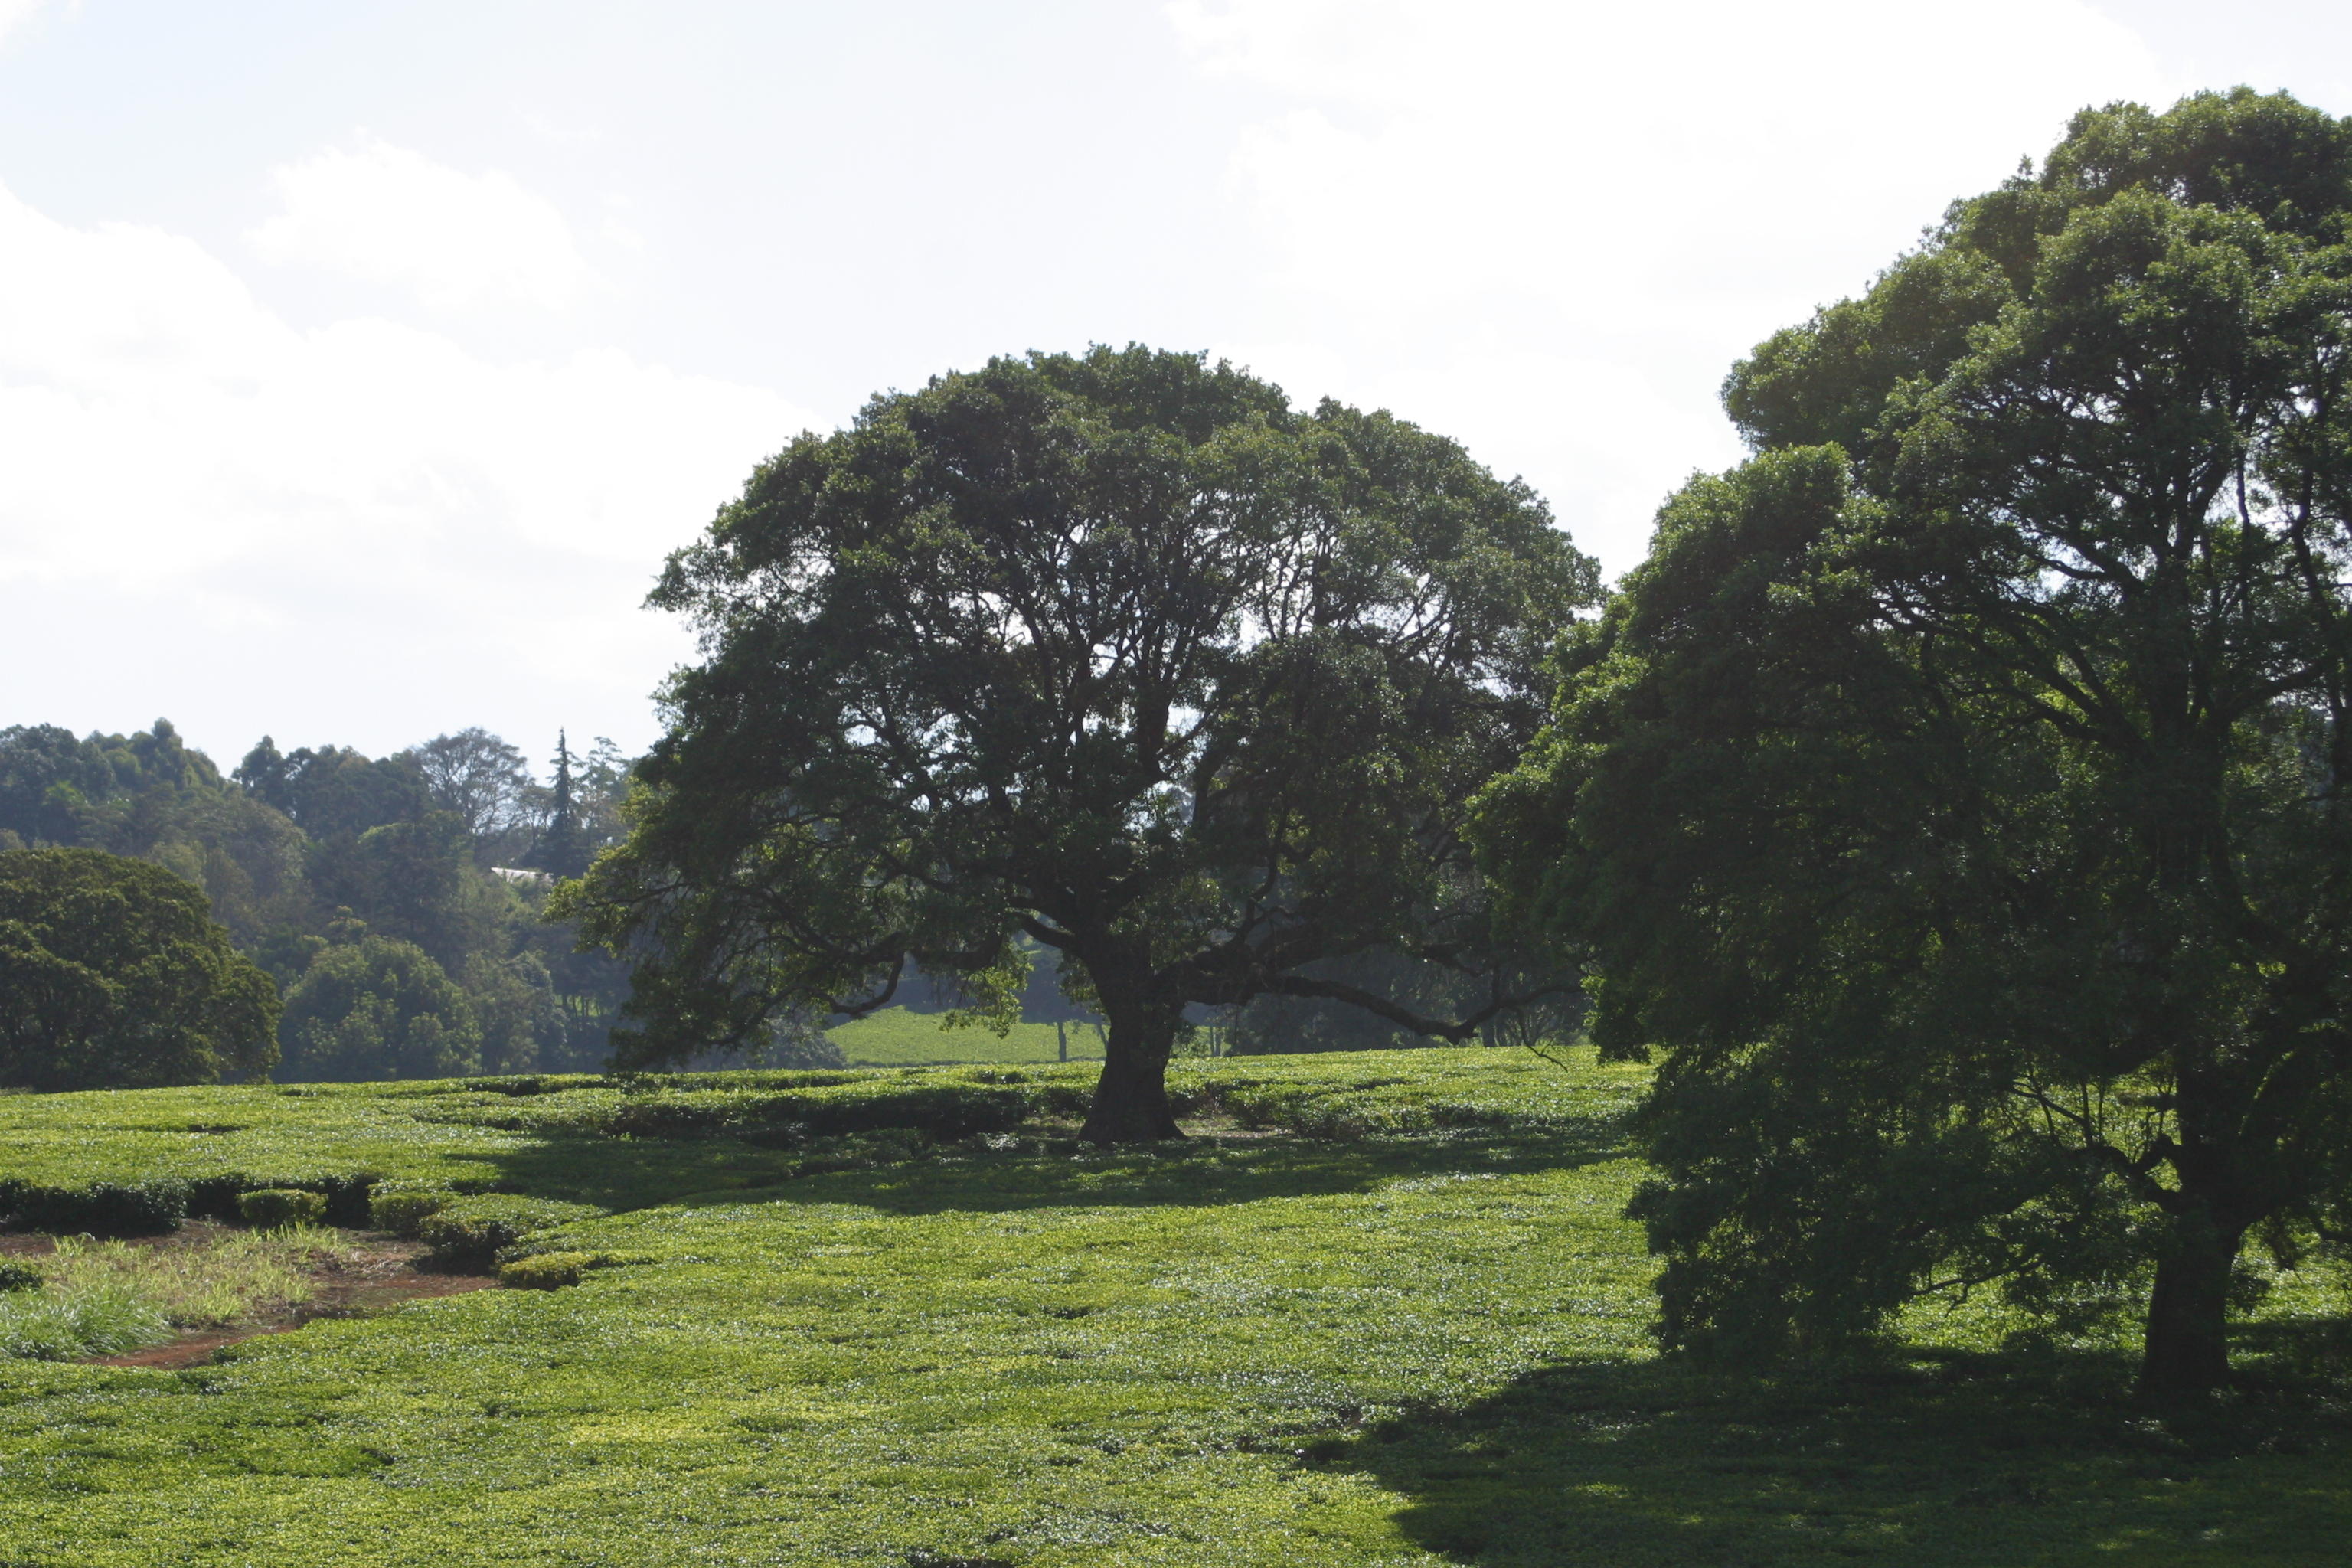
x=388 y=215
x=366 y=502
x=1549 y=229
x=14 y=14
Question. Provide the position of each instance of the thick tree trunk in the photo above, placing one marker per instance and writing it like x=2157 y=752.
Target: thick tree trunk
x=1130 y=1104
x=2187 y=1348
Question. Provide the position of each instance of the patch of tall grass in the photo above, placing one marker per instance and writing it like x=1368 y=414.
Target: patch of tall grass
x=60 y=1325
x=103 y=1298
x=221 y=1279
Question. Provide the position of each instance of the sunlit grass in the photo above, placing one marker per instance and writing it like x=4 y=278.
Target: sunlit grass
x=1390 y=1314
x=897 y=1038
x=103 y=1298
x=64 y=1324
x=226 y=1276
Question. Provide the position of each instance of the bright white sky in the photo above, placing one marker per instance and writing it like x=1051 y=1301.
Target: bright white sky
x=359 y=363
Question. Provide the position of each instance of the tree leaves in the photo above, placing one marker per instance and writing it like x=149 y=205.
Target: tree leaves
x=1118 y=652
x=1957 y=794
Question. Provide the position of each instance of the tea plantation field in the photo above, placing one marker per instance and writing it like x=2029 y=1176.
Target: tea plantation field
x=1382 y=1310
x=897 y=1036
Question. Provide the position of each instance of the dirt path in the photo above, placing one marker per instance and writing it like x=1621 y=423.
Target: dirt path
x=375 y=1274
x=384 y=1275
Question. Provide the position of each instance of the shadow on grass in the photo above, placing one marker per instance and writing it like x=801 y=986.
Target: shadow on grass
x=631 y=1174
x=621 y=1174
x=1953 y=1460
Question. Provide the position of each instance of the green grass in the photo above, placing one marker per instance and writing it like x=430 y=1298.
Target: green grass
x=1388 y=1315
x=59 y=1325
x=222 y=1279
x=100 y=1298
x=897 y=1038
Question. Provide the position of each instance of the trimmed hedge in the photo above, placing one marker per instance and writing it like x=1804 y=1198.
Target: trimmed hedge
x=277 y=1208
x=547 y=1270
x=401 y=1207
x=467 y=1233
x=154 y=1207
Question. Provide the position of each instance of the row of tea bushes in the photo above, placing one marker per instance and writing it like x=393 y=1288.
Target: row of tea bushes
x=944 y=1110
x=157 y=1206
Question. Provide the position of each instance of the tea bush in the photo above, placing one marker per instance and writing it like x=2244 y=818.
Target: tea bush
x=275 y=1208
x=546 y=1270
x=153 y=1206
x=468 y=1233
x=401 y=1208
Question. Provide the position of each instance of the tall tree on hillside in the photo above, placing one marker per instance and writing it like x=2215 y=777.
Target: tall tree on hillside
x=563 y=848
x=1119 y=652
x=479 y=778
x=112 y=975
x=1959 y=792
x=46 y=777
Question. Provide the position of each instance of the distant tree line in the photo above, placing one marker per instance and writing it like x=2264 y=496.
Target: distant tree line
x=394 y=902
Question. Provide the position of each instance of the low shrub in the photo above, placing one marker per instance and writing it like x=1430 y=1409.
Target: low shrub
x=466 y=1233
x=104 y=1208
x=401 y=1207
x=546 y=1270
x=275 y=1208
x=20 y=1277
x=349 y=1198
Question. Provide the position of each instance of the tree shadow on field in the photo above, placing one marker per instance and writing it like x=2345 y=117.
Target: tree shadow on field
x=1943 y=1461
x=641 y=1173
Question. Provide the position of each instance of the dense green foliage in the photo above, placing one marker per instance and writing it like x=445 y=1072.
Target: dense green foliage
x=547 y=1270
x=304 y=856
x=275 y=1208
x=470 y=1232
x=378 y=1008
x=113 y=972
x=1117 y=653
x=141 y=1206
x=1413 y=1338
x=1958 y=792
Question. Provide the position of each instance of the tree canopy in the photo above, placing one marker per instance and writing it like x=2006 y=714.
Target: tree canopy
x=113 y=976
x=1117 y=651
x=378 y=1007
x=299 y=852
x=1957 y=794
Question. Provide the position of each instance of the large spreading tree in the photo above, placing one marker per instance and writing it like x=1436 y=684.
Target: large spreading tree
x=1118 y=653
x=1957 y=794
x=113 y=975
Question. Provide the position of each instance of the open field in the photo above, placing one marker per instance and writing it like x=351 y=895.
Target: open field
x=1383 y=1310
x=898 y=1037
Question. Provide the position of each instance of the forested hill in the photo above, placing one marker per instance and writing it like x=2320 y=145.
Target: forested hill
x=395 y=901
